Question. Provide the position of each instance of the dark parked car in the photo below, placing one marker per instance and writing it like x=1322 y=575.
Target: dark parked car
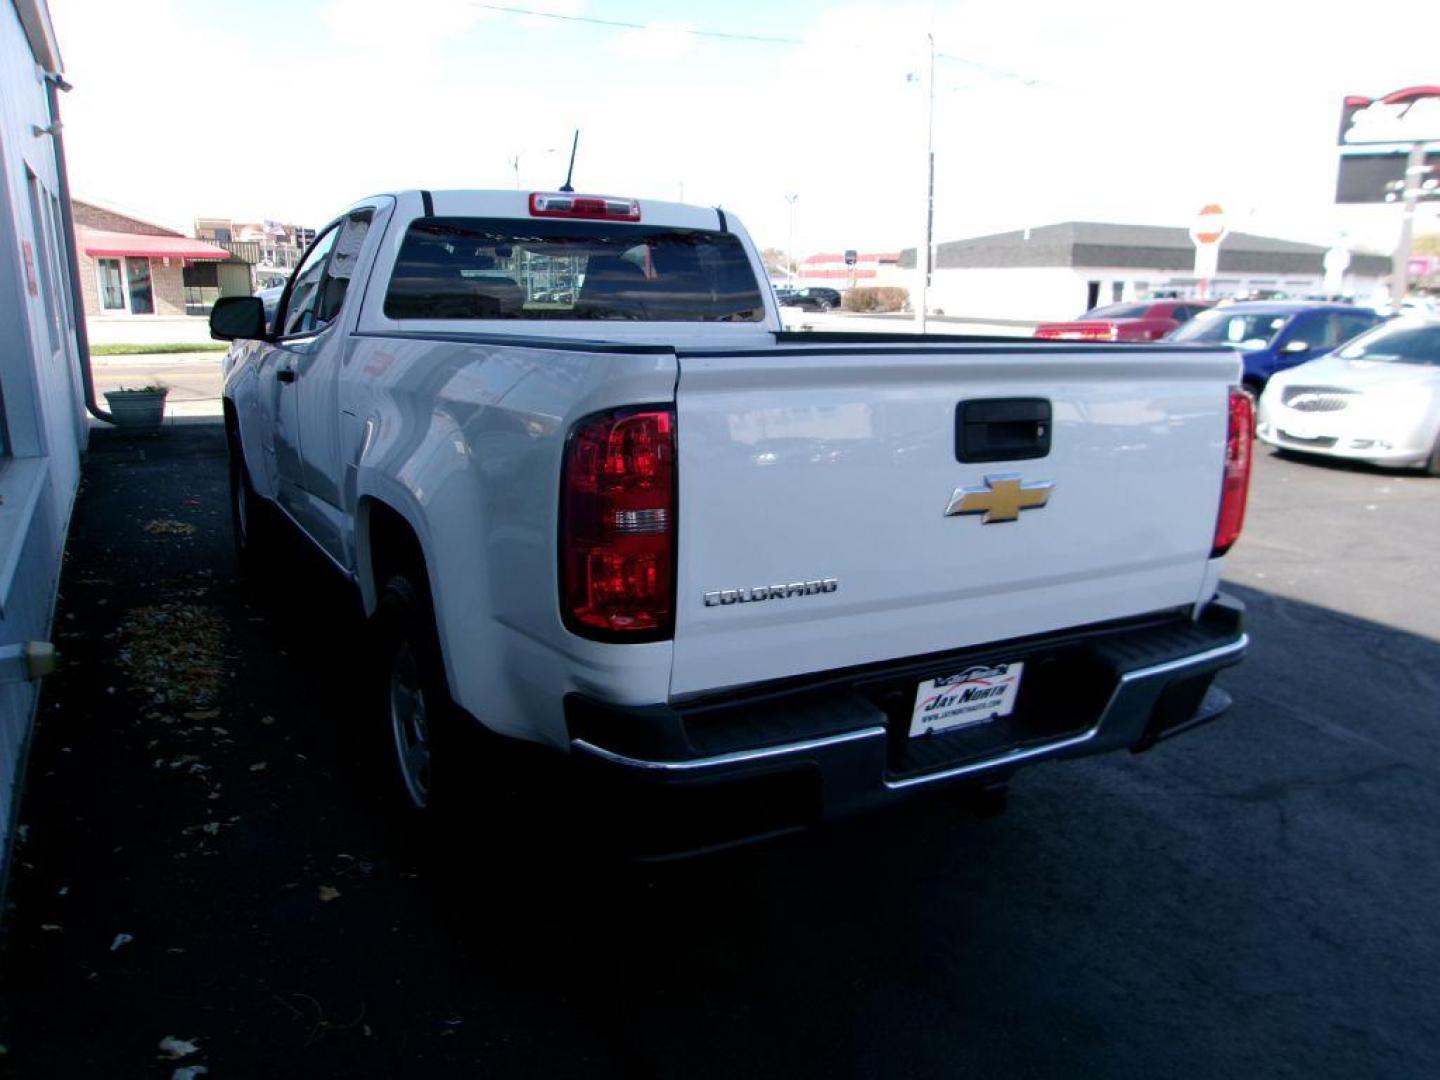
x=1274 y=335
x=813 y=298
x=1147 y=320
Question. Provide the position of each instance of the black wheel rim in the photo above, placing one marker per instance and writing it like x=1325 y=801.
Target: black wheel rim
x=409 y=724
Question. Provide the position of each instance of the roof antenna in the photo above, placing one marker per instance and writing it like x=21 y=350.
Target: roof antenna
x=567 y=187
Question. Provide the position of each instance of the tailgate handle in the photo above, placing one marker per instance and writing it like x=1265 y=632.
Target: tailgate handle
x=1002 y=429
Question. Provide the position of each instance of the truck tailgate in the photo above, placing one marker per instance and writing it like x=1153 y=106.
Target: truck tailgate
x=814 y=484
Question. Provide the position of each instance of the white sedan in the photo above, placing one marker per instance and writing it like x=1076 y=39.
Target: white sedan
x=1377 y=399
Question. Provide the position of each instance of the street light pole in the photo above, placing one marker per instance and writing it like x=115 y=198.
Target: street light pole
x=790 y=244
x=1414 y=171
x=922 y=252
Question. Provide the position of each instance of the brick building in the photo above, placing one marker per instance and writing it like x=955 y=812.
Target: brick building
x=131 y=268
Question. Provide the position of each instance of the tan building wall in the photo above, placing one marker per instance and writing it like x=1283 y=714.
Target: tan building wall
x=234 y=279
x=166 y=281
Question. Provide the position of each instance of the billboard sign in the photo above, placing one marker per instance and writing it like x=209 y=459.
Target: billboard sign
x=1378 y=178
x=1407 y=116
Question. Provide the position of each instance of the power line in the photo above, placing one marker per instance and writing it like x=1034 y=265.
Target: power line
x=998 y=72
x=617 y=24
x=722 y=35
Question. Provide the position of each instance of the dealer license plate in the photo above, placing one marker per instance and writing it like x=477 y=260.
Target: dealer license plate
x=1301 y=428
x=976 y=695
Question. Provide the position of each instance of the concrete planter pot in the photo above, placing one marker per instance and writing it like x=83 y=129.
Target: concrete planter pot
x=138 y=411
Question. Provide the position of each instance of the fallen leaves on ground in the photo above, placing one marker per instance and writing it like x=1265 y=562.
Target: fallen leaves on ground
x=169 y=527
x=175 y=653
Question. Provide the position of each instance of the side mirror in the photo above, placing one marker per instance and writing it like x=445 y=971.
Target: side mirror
x=1297 y=346
x=241 y=317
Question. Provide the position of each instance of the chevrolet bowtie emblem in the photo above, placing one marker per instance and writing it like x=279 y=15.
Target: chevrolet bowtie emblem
x=1001 y=499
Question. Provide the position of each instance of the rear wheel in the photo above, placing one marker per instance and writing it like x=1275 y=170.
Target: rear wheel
x=419 y=715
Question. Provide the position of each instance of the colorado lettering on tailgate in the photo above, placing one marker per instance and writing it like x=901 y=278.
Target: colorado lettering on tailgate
x=722 y=597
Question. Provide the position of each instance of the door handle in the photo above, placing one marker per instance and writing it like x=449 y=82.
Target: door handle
x=284 y=374
x=1002 y=429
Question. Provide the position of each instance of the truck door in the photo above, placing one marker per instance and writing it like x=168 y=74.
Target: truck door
x=315 y=392
x=301 y=336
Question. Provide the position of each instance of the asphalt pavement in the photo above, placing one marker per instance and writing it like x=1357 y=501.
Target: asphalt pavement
x=209 y=853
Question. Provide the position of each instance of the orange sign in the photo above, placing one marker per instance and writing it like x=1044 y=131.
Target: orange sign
x=1209 y=227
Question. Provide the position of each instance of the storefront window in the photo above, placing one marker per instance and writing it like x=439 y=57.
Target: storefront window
x=142 y=295
x=125 y=285
x=112 y=285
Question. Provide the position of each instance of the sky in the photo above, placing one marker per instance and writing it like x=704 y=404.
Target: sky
x=1045 y=111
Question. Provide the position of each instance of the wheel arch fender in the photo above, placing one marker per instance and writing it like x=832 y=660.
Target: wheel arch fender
x=390 y=535
x=235 y=438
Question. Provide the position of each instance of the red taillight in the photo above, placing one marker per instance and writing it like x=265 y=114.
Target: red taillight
x=602 y=207
x=1239 y=445
x=617 y=526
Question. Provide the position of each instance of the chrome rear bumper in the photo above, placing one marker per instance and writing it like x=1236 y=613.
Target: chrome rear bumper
x=842 y=733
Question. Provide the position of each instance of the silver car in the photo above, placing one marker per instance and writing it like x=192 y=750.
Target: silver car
x=1375 y=399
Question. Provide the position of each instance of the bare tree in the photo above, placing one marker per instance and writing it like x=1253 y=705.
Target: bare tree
x=775 y=259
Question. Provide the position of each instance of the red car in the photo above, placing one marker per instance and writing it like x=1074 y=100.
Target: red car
x=1143 y=321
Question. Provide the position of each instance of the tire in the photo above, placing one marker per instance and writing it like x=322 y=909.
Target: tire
x=1432 y=464
x=422 y=728
x=253 y=525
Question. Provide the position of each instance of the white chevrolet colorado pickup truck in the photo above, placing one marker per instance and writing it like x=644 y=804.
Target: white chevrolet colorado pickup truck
x=605 y=504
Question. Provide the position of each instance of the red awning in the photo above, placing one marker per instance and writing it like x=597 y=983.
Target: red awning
x=100 y=242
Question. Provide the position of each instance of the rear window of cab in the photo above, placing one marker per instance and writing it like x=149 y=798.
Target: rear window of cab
x=500 y=268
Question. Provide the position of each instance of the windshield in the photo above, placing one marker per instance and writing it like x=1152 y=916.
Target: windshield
x=482 y=268
x=1397 y=344
x=1254 y=330
x=1117 y=311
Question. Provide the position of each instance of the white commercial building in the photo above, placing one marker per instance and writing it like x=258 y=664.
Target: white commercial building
x=42 y=416
x=1057 y=272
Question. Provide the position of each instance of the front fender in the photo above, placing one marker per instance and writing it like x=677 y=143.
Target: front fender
x=253 y=419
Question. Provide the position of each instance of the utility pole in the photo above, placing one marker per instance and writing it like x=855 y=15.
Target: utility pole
x=790 y=244
x=1414 y=171
x=923 y=251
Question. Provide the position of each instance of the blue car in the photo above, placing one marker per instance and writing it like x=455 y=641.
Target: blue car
x=1277 y=334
